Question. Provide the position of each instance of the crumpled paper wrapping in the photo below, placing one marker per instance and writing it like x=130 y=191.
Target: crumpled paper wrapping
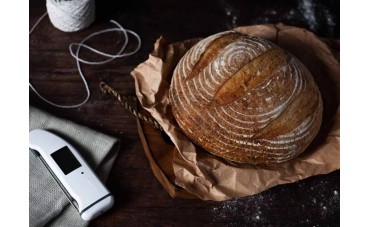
x=213 y=178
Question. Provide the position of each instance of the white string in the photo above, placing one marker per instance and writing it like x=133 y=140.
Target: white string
x=110 y=57
x=38 y=22
x=71 y=15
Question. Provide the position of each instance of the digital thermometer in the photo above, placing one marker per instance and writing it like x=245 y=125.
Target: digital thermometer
x=72 y=173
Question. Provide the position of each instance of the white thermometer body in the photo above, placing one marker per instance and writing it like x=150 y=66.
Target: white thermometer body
x=80 y=181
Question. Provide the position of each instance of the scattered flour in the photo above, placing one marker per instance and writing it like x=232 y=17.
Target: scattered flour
x=307 y=8
x=312 y=13
x=231 y=14
x=280 y=203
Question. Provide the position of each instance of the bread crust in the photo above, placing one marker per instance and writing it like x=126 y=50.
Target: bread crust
x=245 y=99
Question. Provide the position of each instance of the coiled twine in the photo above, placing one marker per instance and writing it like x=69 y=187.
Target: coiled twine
x=71 y=15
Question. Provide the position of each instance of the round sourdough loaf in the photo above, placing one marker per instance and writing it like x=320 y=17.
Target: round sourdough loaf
x=245 y=99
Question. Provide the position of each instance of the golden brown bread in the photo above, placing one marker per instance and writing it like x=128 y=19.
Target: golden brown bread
x=245 y=99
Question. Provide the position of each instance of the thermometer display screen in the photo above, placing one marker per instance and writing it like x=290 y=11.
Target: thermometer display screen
x=66 y=161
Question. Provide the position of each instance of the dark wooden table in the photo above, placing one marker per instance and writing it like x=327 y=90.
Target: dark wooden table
x=140 y=198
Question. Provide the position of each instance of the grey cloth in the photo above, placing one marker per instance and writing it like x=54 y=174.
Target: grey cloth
x=47 y=203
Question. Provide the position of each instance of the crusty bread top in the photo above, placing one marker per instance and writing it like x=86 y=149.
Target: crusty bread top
x=245 y=99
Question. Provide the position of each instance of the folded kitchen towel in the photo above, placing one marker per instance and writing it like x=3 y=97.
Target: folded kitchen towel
x=47 y=203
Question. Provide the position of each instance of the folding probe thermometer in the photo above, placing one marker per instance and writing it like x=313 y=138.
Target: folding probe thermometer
x=71 y=172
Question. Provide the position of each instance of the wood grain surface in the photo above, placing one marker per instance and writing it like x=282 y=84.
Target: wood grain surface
x=140 y=198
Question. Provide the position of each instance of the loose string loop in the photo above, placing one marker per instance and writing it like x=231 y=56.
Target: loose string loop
x=79 y=60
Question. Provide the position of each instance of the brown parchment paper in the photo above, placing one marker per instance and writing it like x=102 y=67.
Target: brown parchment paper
x=212 y=178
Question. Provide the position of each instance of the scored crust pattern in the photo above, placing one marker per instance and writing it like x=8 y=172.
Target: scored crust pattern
x=245 y=99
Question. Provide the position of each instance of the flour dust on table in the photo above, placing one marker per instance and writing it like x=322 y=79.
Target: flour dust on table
x=321 y=204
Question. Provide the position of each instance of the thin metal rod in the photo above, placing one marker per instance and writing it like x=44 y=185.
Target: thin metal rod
x=69 y=197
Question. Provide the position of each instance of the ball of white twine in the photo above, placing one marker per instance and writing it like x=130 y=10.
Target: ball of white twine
x=71 y=15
